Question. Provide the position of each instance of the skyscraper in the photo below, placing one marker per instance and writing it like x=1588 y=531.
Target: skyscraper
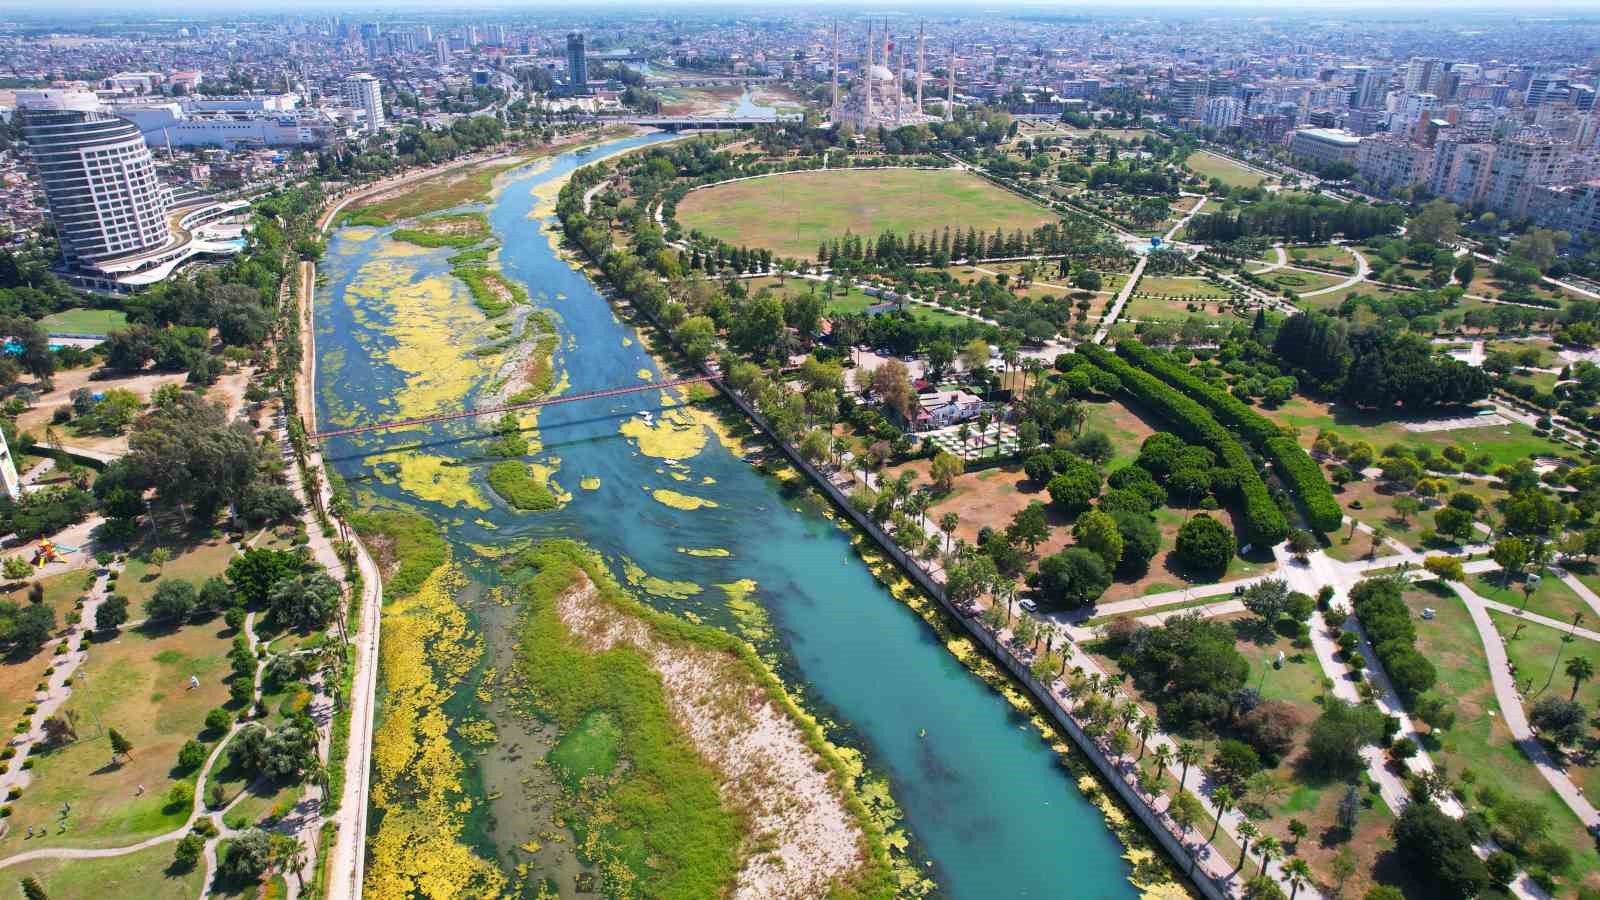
x=441 y=51
x=577 y=64
x=100 y=182
x=363 y=91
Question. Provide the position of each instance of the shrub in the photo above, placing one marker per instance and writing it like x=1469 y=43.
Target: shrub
x=1387 y=619
x=1205 y=544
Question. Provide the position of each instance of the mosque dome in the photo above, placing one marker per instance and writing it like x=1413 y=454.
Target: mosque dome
x=881 y=73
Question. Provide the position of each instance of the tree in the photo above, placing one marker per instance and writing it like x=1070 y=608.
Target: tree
x=187 y=854
x=173 y=602
x=1098 y=532
x=1188 y=754
x=1205 y=544
x=248 y=856
x=252 y=573
x=1141 y=540
x=1222 y=798
x=1074 y=577
x=975 y=354
x=305 y=602
x=1268 y=849
x=1436 y=223
x=1337 y=736
x=1299 y=872
x=1271 y=727
x=1512 y=555
x=1439 y=849
x=1029 y=526
x=944 y=470
x=1579 y=669
x=111 y=613
x=120 y=746
x=32 y=890
x=1075 y=487
x=1302 y=543
x=1268 y=599
x=1445 y=568
x=892 y=385
x=15 y=568
x=159 y=557
x=1561 y=720
x=192 y=756
x=193 y=456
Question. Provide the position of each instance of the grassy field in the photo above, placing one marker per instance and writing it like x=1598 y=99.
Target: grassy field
x=1332 y=254
x=1334 y=299
x=1208 y=166
x=1151 y=309
x=1531 y=652
x=1504 y=442
x=84 y=321
x=193 y=561
x=1178 y=287
x=793 y=214
x=19 y=677
x=135 y=684
x=1551 y=598
x=145 y=875
x=1300 y=281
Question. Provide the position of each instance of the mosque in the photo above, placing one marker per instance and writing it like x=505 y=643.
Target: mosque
x=876 y=97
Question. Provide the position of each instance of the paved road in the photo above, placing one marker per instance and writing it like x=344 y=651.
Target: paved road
x=1362 y=271
x=1121 y=301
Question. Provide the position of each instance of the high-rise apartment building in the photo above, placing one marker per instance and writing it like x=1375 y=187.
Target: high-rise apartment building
x=577 y=64
x=441 y=51
x=100 y=182
x=1423 y=74
x=363 y=91
x=1461 y=171
x=1223 y=112
x=1187 y=96
x=1520 y=166
x=1544 y=89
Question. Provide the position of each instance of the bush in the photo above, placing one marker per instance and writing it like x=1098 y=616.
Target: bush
x=187 y=853
x=1205 y=544
x=1387 y=619
x=1073 y=577
x=1264 y=521
x=1438 y=850
x=192 y=756
x=1290 y=461
x=181 y=796
x=1075 y=487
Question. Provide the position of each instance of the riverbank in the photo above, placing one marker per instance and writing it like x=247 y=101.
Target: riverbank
x=1125 y=812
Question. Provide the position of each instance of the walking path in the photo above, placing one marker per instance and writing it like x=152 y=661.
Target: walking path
x=1280 y=262
x=1362 y=270
x=1121 y=301
x=1512 y=712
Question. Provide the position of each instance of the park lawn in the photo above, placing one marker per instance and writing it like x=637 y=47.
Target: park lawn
x=1543 y=382
x=1209 y=166
x=262 y=804
x=1332 y=300
x=1544 y=347
x=1144 y=308
x=1334 y=254
x=793 y=214
x=1505 y=443
x=142 y=875
x=1126 y=426
x=192 y=560
x=1478 y=745
x=80 y=320
x=1531 y=653
x=1551 y=598
x=61 y=591
x=137 y=684
x=1484 y=284
x=1301 y=281
x=1179 y=286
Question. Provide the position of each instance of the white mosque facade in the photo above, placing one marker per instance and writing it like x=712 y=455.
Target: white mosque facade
x=876 y=97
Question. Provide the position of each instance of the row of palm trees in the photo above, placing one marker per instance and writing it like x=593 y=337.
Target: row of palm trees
x=1097 y=698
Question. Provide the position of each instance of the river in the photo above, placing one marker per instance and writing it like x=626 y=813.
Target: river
x=990 y=810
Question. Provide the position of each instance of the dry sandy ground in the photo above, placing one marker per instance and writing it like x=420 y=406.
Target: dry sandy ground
x=228 y=390
x=766 y=766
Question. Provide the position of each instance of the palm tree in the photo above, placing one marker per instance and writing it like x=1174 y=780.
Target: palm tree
x=1299 y=872
x=1268 y=849
x=964 y=432
x=1579 y=669
x=1161 y=758
x=947 y=524
x=1247 y=833
x=1222 y=799
x=1145 y=730
x=1188 y=754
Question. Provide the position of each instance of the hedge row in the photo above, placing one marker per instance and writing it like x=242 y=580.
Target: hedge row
x=1387 y=619
x=1264 y=522
x=1303 y=476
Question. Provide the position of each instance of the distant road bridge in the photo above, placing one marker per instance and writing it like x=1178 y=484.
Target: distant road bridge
x=510 y=407
x=686 y=123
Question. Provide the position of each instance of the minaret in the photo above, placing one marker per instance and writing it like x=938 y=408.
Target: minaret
x=866 y=79
x=899 y=89
x=921 y=39
x=834 y=110
x=950 y=87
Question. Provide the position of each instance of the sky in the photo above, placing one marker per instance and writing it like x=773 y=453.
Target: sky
x=1535 y=8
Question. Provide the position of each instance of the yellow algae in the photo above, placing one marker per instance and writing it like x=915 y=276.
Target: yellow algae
x=480 y=732
x=750 y=615
x=589 y=482
x=678 y=476
x=706 y=552
x=392 y=249
x=429 y=477
x=708 y=480
x=416 y=849
x=681 y=501
x=485 y=523
x=358 y=233
x=646 y=374
x=674 y=434
x=627 y=341
x=657 y=586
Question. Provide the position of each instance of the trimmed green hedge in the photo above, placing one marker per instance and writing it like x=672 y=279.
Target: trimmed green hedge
x=1298 y=470
x=1264 y=522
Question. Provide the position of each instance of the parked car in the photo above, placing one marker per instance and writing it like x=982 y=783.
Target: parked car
x=1028 y=605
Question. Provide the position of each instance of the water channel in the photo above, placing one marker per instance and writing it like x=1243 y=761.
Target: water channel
x=990 y=810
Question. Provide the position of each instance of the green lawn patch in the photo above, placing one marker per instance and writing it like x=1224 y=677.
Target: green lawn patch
x=406 y=545
x=792 y=214
x=460 y=230
x=79 y=320
x=1209 y=166
x=1551 y=598
x=142 y=875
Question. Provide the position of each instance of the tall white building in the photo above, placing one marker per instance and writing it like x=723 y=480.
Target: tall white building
x=1223 y=112
x=441 y=51
x=363 y=91
x=100 y=182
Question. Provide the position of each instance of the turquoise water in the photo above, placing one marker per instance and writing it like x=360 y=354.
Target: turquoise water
x=989 y=808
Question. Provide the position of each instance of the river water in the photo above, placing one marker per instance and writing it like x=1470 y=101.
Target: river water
x=990 y=810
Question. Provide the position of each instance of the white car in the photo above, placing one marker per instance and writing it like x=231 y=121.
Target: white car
x=1028 y=605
